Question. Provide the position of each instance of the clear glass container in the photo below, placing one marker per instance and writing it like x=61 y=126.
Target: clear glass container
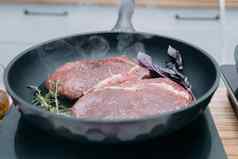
x=4 y=98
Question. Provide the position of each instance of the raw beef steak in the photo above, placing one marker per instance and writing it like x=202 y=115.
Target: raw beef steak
x=133 y=99
x=81 y=77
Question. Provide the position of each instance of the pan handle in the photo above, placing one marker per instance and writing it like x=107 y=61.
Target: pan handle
x=236 y=56
x=126 y=11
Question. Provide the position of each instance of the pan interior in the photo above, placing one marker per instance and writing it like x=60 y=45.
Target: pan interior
x=35 y=65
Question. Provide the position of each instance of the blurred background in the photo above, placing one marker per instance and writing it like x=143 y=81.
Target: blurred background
x=209 y=24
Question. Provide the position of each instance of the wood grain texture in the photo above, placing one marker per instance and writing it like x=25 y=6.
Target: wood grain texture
x=154 y=3
x=226 y=122
x=96 y=2
x=197 y=3
x=189 y=3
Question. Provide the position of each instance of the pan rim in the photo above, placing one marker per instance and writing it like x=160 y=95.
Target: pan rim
x=201 y=99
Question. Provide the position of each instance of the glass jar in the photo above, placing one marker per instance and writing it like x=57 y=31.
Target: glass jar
x=4 y=98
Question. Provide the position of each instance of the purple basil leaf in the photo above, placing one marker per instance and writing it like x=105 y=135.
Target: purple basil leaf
x=170 y=65
x=170 y=71
x=176 y=57
x=172 y=52
x=158 y=70
x=179 y=77
x=145 y=60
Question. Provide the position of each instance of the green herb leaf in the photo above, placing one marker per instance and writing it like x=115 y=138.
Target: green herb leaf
x=50 y=100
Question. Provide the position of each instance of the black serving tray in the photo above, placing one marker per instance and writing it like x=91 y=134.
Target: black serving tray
x=230 y=78
x=19 y=140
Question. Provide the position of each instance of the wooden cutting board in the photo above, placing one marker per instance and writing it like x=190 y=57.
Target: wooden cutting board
x=226 y=122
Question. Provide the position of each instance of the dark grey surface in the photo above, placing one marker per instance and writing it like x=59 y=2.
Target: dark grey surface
x=230 y=77
x=199 y=140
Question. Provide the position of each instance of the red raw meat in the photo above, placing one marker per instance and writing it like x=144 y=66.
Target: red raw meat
x=133 y=99
x=83 y=76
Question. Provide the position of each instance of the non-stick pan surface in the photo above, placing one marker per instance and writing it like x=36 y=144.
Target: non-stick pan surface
x=33 y=66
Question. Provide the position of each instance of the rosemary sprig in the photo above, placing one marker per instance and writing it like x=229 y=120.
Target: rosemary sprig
x=39 y=98
x=49 y=100
x=56 y=96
